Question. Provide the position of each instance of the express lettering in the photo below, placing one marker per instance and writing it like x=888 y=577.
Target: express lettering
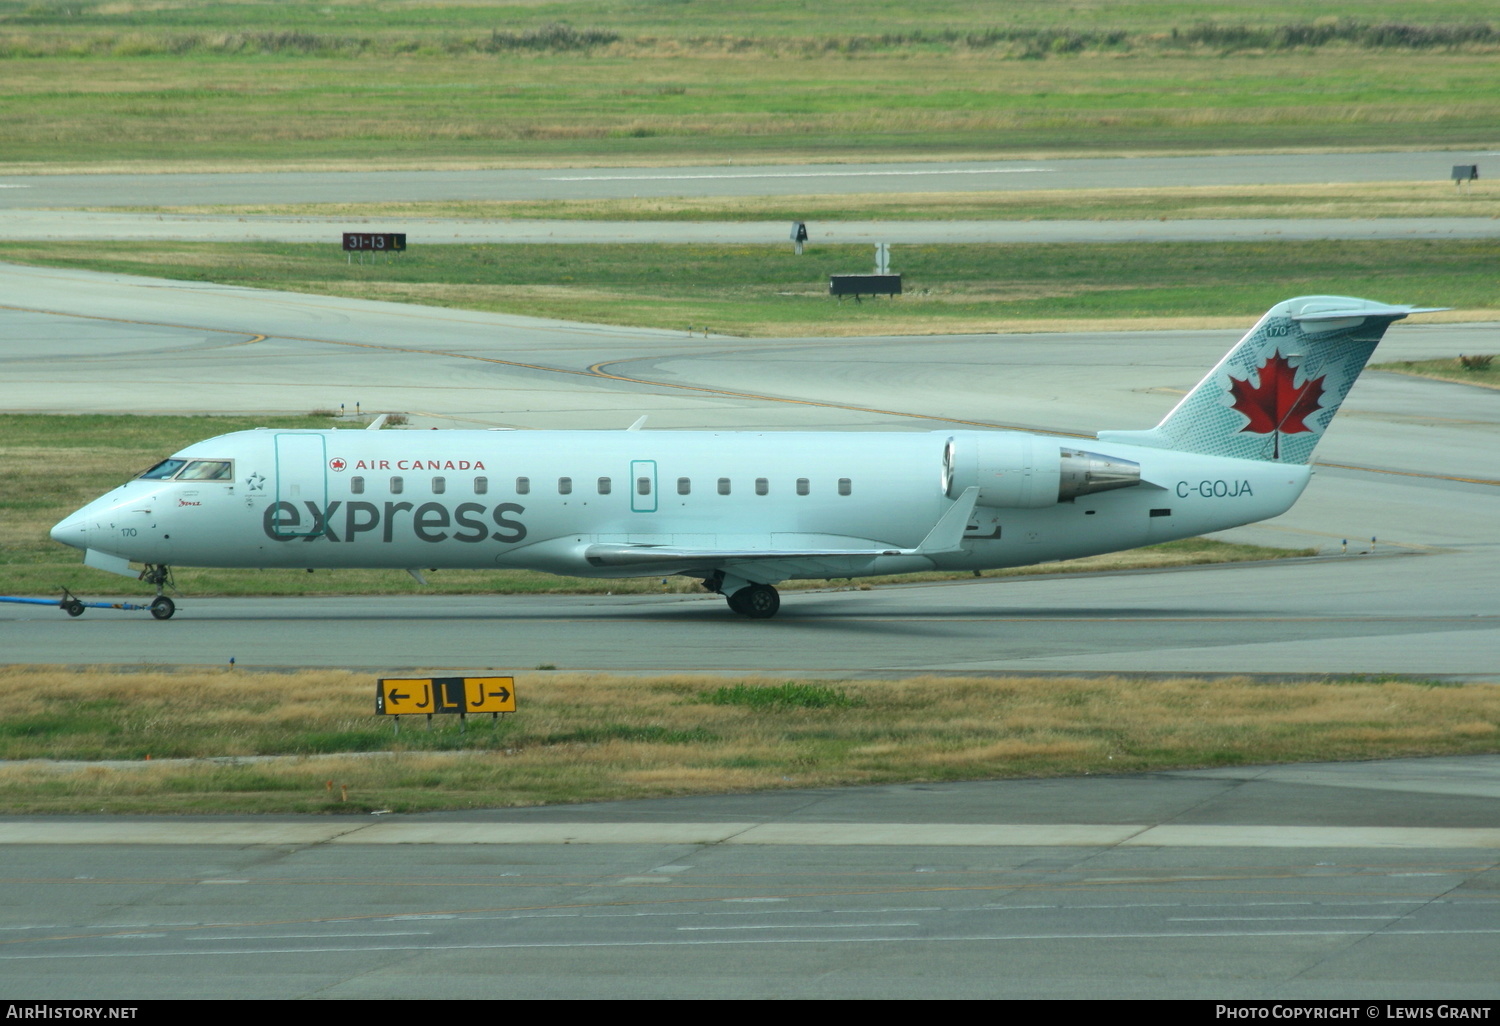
x=430 y=522
x=1214 y=489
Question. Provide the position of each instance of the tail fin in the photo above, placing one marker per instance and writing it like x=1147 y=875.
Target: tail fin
x=1272 y=397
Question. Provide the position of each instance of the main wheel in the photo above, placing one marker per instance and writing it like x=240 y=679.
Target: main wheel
x=758 y=601
x=73 y=607
x=162 y=607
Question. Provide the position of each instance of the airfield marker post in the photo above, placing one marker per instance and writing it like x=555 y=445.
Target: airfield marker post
x=799 y=236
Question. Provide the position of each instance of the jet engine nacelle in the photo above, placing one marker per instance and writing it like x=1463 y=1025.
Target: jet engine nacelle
x=1016 y=470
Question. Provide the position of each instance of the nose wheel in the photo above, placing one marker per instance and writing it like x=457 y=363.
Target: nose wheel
x=757 y=601
x=160 y=575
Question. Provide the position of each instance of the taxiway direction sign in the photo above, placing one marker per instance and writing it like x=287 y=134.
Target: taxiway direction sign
x=416 y=696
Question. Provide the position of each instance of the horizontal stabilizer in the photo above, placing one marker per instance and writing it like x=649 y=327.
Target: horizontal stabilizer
x=1366 y=308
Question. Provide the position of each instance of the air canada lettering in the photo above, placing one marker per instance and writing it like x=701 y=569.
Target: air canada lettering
x=415 y=465
x=1214 y=489
x=429 y=522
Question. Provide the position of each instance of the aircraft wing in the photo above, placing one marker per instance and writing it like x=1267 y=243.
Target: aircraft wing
x=626 y=556
x=946 y=536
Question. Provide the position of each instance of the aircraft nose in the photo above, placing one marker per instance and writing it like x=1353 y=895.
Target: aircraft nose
x=72 y=531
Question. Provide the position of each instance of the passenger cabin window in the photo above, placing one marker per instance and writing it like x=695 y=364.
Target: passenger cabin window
x=802 y=486
x=604 y=486
x=723 y=486
x=396 y=485
x=208 y=470
x=684 y=486
x=356 y=486
x=565 y=486
x=643 y=486
x=523 y=486
x=439 y=485
x=762 y=486
x=481 y=485
x=163 y=470
x=844 y=486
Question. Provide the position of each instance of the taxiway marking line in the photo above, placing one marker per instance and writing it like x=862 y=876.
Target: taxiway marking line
x=1413 y=473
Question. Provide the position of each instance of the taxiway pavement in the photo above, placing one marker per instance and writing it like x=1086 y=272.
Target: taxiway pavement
x=1358 y=882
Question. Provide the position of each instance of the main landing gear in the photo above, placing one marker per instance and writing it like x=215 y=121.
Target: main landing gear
x=757 y=601
x=160 y=575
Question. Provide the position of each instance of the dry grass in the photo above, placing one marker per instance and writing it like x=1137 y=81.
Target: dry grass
x=594 y=737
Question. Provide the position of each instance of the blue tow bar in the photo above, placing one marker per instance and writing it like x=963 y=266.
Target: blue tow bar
x=162 y=608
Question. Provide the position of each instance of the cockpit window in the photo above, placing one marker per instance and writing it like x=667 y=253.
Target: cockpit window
x=195 y=470
x=208 y=470
x=163 y=470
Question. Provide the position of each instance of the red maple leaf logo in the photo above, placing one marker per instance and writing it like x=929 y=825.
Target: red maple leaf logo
x=1276 y=404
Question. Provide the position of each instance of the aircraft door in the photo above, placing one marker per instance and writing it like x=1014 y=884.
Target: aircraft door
x=302 y=481
x=643 y=486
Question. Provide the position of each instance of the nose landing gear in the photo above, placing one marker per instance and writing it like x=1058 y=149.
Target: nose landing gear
x=160 y=575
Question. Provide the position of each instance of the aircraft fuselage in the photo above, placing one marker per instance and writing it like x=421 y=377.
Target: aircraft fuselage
x=543 y=500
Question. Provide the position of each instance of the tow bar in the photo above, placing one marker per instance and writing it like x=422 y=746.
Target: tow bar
x=161 y=607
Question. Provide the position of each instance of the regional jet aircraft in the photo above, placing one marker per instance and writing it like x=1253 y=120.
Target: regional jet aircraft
x=743 y=511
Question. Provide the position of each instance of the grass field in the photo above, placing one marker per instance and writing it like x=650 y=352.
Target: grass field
x=594 y=738
x=375 y=83
x=53 y=465
x=762 y=291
